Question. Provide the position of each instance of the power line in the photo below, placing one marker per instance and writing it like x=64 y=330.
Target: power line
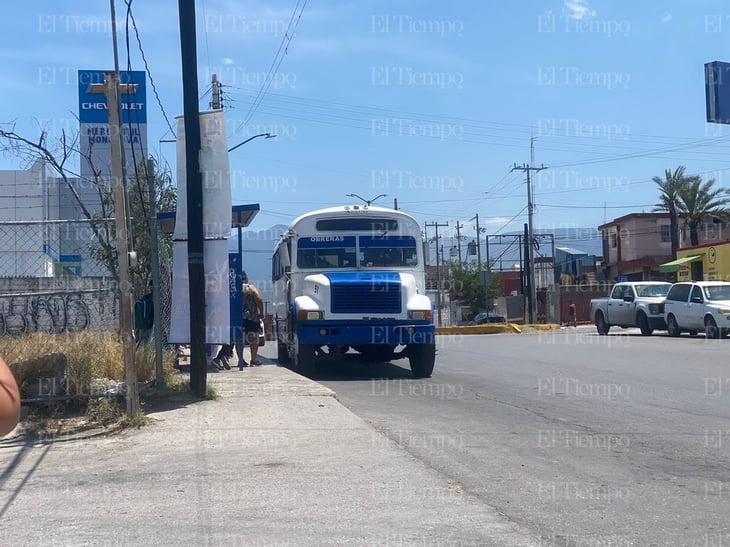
x=287 y=38
x=147 y=68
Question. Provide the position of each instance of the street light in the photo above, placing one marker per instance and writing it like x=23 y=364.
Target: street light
x=267 y=135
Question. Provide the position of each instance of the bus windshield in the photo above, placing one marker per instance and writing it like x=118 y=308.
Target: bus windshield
x=326 y=252
x=341 y=252
x=388 y=251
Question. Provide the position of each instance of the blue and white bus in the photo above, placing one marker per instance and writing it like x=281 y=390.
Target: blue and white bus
x=353 y=277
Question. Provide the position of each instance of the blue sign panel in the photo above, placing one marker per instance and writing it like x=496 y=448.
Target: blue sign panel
x=717 y=92
x=133 y=101
x=235 y=280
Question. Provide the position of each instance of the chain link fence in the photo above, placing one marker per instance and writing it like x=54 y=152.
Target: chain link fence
x=51 y=291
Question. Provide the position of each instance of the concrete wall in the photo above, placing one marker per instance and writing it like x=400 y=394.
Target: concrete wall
x=57 y=305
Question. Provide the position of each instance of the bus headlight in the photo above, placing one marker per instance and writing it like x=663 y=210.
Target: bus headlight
x=420 y=315
x=304 y=315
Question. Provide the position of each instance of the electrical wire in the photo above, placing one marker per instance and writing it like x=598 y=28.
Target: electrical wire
x=276 y=62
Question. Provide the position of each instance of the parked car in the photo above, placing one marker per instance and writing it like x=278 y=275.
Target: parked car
x=632 y=304
x=488 y=317
x=695 y=306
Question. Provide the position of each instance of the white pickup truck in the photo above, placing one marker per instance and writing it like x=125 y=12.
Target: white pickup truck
x=632 y=304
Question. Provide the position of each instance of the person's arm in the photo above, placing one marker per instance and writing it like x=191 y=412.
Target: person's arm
x=9 y=400
x=259 y=300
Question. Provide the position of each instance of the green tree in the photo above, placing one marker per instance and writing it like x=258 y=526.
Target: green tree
x=699 y=200
x=463 y=282
x=104 y=249
x=669 y=188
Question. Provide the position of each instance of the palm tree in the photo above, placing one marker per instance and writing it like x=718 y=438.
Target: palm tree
x=698 y=200
x=669 y=189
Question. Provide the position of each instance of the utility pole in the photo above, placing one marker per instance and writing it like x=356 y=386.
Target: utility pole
x=458 y=239
x=438 y=268
x=155 y=257
x=215 y=101
x=111 y=88
x=196 y=269
x=529 y=242
x=479 y=248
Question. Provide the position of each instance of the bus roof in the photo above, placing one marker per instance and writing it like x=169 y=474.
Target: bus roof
x=352 y=209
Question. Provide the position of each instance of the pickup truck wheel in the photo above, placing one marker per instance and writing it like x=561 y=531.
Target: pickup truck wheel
x=672 y=327
x=643 y=323
x=711 y=330
x=601 y=325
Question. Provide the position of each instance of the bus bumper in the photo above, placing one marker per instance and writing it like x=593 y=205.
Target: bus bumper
x=323 y=334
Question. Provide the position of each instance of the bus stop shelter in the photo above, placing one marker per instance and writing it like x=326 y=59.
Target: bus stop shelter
x=241 y=217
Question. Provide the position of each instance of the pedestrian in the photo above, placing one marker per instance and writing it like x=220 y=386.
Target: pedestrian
x=222 y=359
x=253 y=313
x=571 y=314
x=9 y=400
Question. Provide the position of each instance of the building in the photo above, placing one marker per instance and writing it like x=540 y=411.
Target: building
x=635 y=245
x=638 y=246
x=576 y=267
x=708 y=262
x=28 y=248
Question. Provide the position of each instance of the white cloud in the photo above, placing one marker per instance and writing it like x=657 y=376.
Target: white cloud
x=227 y=61
x=667 y=18
x=578 y=9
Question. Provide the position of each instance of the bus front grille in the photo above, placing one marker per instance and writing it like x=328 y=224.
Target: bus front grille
x=372 y=297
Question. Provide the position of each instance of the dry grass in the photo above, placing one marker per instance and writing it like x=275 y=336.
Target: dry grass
x=90 y=355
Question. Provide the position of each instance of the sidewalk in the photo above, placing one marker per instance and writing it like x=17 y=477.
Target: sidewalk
x=276 y=461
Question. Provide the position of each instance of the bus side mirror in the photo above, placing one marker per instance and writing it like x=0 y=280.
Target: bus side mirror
x=285 y=260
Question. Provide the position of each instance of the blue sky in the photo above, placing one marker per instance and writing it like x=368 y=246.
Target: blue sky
x=431 y=103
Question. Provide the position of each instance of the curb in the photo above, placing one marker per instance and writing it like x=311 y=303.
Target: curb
x=496 y=328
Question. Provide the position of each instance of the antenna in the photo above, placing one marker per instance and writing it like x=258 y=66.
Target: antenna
x=366 y=201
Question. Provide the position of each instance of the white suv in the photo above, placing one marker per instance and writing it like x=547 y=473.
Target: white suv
x=698 y=306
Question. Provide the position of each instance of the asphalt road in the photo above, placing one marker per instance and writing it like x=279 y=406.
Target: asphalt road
x=582 y=439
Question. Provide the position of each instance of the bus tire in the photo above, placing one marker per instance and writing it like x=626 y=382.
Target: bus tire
x=282 y=353
x=422 y=358
x=304 y=357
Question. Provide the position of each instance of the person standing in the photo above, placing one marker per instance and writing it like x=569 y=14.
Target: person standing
x=253 y=313
x=572 y=320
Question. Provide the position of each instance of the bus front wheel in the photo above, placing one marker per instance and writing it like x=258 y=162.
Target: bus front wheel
x=304 y=355
x=422 y=358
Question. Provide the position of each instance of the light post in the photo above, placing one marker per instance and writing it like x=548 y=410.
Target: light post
x=239 y=225
x=267 y=135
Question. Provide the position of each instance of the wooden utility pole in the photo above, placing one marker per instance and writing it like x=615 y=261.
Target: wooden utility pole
x=111 y=89
x=458 y=239
x=194 y=178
